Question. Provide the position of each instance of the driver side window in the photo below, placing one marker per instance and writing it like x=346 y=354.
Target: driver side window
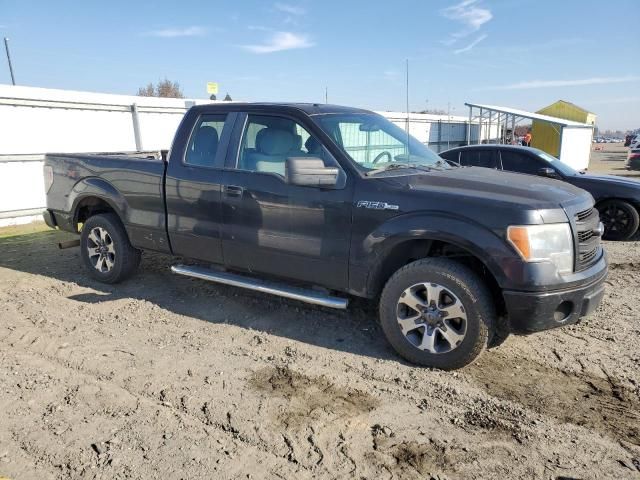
x=268 y=141
x=365 y=146
x=520 y=163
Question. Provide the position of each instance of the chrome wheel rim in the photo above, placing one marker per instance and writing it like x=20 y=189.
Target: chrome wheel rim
x=101 y=250
x=431 y=317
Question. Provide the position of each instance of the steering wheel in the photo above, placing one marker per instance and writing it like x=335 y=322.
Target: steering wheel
x=382 y=154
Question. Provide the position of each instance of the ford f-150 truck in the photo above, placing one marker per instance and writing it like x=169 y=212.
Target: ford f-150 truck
x=319 y=202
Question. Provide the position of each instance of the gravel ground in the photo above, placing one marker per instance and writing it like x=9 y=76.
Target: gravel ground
x=167 y=377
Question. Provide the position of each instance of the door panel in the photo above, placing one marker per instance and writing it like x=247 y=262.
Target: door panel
x=193 y=190
x=279 y=229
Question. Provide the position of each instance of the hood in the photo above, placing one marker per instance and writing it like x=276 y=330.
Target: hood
x=586 y=179
x=497 y=186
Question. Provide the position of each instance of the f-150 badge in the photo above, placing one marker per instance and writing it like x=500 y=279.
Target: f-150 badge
x=376 y=205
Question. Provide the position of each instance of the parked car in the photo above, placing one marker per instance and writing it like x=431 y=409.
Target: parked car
x=319 y=202
x=629 y=139
x=617 y=198
x=633 y=159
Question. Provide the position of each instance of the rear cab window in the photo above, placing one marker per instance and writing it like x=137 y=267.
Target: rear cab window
x=203 y=147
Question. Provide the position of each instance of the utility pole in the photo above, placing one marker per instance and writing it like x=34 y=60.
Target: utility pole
x=326 y=94
x=6 y=47
x=449 y=120
x=408 y=113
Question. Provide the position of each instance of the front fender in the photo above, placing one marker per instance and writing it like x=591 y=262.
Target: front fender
x=488 y=246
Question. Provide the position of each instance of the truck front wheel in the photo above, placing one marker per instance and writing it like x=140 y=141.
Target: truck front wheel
x=437 y=313
x=106 y=250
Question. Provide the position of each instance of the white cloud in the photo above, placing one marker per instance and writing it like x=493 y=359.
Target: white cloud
x=470 y=15
x=565 y=83
x=280 y=41
x=290 y=9
x=471 y=45
x=193 y=31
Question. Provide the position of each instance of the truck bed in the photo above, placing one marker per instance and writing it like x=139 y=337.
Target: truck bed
x=132 y=184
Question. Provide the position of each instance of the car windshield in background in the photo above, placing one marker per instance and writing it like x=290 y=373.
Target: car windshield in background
x=563 y=167
x=376 y=144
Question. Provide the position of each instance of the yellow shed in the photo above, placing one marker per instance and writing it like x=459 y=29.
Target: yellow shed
x=546 y=136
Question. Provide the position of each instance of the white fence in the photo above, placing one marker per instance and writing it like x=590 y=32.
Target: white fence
x=34 y=121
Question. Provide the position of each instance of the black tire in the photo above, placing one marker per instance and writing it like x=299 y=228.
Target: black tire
x=125 y=259
x=469 y=289
x=501 y=332
x=621 y=219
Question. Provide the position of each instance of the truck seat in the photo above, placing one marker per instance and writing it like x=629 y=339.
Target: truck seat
x=273 y=146
x=204 y=147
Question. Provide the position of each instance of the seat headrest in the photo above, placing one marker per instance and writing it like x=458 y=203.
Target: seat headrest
x=312 y=145
x=297 y=142
x=272 y=141
x=206 y=140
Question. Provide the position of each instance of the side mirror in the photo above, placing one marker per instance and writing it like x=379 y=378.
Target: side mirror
x=548 y=172
x=310 y=172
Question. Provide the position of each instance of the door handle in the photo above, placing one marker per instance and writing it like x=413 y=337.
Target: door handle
x=233 y=191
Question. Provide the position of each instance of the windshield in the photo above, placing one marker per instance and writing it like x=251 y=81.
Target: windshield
x=374 y=143
x=563 y=167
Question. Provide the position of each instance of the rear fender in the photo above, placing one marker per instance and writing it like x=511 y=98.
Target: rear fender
x=97 y=188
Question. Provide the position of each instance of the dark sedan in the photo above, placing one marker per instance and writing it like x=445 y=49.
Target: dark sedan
x=617 y=198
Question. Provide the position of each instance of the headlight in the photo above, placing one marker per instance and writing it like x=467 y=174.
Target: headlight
x=539 y=243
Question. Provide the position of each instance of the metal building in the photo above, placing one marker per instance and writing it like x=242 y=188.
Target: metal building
x=574 y=138
x=545 y=136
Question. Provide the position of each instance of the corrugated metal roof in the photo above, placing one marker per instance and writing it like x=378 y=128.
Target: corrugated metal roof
x=530 y=115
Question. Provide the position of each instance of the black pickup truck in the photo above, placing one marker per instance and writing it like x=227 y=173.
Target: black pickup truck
x=320 y=202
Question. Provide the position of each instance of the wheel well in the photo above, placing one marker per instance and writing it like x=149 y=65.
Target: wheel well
x=412 y=250
x=89 y=207
x=630 y=201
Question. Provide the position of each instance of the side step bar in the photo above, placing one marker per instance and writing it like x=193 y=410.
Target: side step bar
x=295 y=293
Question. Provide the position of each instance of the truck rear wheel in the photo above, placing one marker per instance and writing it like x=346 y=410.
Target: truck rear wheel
x=106 y=250
x=437 y=313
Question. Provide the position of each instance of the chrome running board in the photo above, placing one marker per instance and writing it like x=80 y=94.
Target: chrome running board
x=295 y=293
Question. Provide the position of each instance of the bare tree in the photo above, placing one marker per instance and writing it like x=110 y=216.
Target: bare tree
x=165 y=88
x=432 y=111
x=148 y=91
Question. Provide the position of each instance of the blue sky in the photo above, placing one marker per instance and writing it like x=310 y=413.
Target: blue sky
x=523 y=54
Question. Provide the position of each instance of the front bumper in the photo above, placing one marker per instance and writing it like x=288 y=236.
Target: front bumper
x=530 y=312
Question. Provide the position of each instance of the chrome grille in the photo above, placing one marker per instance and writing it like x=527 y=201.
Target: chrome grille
x=588 y=243
x=580 y=216
x=584 y=236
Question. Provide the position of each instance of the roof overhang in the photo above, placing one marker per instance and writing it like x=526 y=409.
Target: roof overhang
x=523 y=114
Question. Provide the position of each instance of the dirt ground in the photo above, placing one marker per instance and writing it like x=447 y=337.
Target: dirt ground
x=167 y=377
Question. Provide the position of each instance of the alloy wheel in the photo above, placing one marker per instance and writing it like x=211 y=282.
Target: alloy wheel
x=432 y=318
x=101 y=250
